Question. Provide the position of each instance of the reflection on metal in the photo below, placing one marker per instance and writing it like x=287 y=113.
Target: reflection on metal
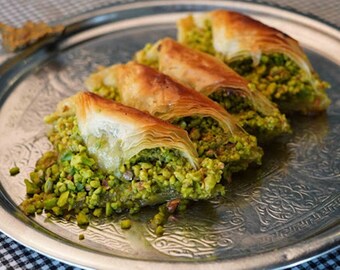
x=282 y=212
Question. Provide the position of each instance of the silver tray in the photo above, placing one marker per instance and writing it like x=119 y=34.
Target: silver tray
x=273 y=216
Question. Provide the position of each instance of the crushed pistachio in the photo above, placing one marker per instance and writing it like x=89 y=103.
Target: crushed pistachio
x=14 y=171
x=68 y=182
x=14 y=39
x=125 y=224
x=277 y=76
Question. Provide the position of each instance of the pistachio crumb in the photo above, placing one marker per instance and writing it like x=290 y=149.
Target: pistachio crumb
x=14 y=171
x=125 y=224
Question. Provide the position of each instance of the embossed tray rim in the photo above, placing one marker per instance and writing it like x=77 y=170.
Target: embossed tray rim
x=16 y=228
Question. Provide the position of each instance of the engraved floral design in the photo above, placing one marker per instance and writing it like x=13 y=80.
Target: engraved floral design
x=291 y=196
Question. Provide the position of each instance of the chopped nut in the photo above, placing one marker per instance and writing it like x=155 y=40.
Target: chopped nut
x=14 y=39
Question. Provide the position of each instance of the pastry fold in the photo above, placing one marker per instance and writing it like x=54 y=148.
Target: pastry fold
x=212 y=129
x=235 y=38
x=145 y=89
x=124 y=131
x=108 y=158
x=210 y=76
x=235 y=35
x=202 y=72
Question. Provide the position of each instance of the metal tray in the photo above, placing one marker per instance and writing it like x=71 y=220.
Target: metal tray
x=273 y=216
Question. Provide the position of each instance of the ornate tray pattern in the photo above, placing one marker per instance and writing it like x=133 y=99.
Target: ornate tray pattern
x=288 y=208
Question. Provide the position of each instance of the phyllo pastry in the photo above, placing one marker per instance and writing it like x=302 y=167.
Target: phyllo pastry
x=263 y=55
x=108 y=157
x=211 y=77
x=213 y=131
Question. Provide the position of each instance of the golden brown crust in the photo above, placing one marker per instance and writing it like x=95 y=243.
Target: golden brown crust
x=103 y=76
x=205 y=74
x=255 y=37
x=148 y=90
x=87 y=103
x=201 y=71
x=184 y=25
x=14 y=39
x=128 y=129
x=236 y=35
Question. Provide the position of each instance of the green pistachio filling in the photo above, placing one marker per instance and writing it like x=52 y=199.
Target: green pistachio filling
x=67 y=181
x=200 y=38
x=108 y=92
x=282 y=81
x=148 y=57
x=276 y=76
x=235 y=151
x=264 y=127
